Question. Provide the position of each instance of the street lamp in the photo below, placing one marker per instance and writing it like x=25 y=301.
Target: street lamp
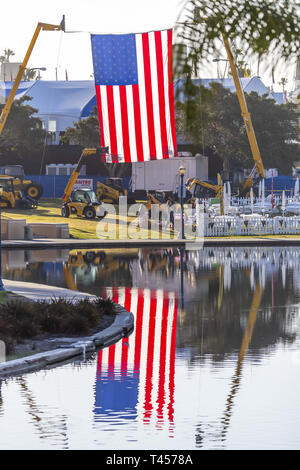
x=1 y=283
x=221 y=60
x=181 y=172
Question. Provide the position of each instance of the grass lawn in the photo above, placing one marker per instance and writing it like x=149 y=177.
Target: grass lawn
x=49 y=210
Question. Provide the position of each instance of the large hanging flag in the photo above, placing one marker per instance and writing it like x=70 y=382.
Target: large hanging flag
x=135 y=96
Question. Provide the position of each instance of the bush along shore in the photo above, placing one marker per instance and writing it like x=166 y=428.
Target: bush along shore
x=28 y=326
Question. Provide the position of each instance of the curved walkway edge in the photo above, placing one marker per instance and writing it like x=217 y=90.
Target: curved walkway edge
x=121 y=327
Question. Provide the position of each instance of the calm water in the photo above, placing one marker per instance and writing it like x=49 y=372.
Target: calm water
x=213 y=362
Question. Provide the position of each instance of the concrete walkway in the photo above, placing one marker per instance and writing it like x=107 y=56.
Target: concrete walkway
x=41 y=291
x=72 y=243
x=68 y=348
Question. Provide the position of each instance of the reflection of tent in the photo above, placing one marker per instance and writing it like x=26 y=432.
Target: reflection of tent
x=136 y=375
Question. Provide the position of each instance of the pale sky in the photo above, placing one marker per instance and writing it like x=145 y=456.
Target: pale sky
x=72 y=51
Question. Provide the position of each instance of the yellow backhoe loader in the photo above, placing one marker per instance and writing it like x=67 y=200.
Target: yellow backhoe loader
x=81 y=202
x=28 y=187
x=12 y=197
x=110 y=190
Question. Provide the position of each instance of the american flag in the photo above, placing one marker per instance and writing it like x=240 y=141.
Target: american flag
x=135 y=95
x=138 y=372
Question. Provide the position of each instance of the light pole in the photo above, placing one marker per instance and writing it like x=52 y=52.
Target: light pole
x=182 y=172
x=221 y=60
x=33 y=68
x=1 y=282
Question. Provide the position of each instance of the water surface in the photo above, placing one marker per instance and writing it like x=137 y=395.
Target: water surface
x=213 y=362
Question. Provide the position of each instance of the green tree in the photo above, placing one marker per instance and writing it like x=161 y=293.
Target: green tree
x=29 y=74
x=283 y=82
x=86 y=132
x=23 y=131
x=7 y=54
x=211 y=118
x=259 y=28
x=264 y=30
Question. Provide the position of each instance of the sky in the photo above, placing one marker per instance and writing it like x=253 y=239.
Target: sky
x=58 y=51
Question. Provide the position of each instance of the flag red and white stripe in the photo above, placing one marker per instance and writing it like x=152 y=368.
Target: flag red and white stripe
x=149 y=351
x=137 y=121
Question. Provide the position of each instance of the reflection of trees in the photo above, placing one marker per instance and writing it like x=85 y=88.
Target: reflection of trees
x=50 y=273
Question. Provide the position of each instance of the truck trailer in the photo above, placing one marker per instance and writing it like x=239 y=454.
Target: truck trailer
x=163 y=175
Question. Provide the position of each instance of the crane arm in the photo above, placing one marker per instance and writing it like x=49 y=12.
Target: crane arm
x=73 y=178
x=245 y=113
x=243 y=105
x=10 y=99
x=204 y=184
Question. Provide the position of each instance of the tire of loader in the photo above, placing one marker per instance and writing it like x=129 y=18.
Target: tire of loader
x=89 y=212
x=65 y=211
x=34 y=190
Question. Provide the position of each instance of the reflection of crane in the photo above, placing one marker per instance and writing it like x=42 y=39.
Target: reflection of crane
x=36 y=414
x=220 y=272
x=244 y=346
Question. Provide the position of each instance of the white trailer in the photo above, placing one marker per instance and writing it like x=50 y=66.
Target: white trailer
x=163 y=175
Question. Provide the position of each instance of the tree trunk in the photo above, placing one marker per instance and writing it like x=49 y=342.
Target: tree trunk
x=225 y=169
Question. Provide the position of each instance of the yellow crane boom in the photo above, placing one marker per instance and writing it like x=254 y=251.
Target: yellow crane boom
x=245 y=113
x=73 y=178
x=10 y=99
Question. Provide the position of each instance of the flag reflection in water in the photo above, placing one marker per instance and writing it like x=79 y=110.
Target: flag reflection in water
x=135 y=377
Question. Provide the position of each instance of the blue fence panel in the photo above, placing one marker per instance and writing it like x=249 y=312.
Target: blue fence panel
x=280 y=183
x=54 y=186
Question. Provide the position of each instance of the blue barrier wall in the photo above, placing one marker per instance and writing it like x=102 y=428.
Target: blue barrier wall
x=54 y=186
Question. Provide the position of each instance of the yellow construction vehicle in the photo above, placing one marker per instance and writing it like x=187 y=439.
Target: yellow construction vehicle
x=110 y=190
x=12 y=197
x=81 y=202
x=22 y=68
x=163 y=201
x=31 y=189
x=258 y=170
x=203 y=188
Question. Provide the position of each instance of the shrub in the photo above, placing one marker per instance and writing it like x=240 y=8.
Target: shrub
x=21 y=320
